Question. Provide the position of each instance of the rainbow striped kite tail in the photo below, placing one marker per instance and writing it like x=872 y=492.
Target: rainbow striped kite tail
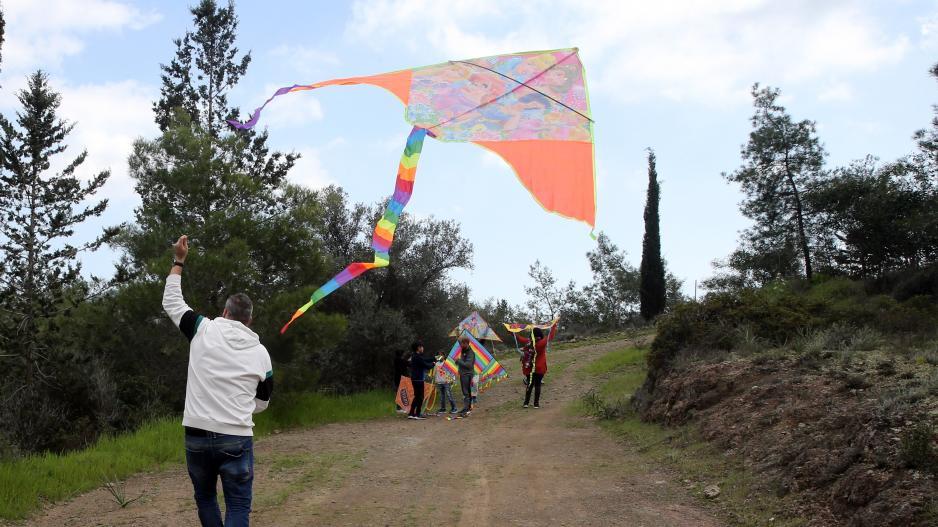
x=297 y=314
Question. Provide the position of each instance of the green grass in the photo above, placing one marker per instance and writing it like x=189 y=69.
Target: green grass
x=313 y=409
x=27 y=483
x=743 y=498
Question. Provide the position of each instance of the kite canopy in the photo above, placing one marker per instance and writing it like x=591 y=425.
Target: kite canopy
x=529 y=326
x=529 y=108
x=476 y=326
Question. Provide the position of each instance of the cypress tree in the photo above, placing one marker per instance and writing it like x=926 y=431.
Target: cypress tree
x=653 y=286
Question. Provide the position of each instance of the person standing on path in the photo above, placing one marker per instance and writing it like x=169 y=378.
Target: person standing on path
x=419 y=364
x=466 y=367
x=540 y=364
x=444 y=386
x=229 y=379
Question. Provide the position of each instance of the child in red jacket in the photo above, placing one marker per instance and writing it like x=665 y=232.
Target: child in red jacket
x=540 y=364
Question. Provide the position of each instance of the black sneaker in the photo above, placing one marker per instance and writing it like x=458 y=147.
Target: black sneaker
x=524 y=406
x=536 y=406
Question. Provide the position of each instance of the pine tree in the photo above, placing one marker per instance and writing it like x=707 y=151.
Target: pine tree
x=652 y=292
x=781 y=159
x=205 y=67
x=2 y=29
x=40 y=212
x=218 y=186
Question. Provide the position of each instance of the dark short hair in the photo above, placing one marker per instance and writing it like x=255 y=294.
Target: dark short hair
x=239 y=308
x=416 y=345
x=538 y=333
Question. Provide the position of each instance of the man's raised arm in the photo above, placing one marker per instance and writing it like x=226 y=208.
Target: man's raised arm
x=173 y=303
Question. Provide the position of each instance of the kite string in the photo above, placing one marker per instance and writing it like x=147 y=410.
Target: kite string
x=384 y=231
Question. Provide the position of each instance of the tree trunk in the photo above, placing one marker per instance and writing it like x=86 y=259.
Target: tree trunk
x=802 y=237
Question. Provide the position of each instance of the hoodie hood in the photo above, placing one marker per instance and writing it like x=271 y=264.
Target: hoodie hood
x=236 y=334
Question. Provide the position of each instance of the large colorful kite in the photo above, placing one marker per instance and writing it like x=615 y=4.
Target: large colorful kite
x=529 y=108
x=486 y=367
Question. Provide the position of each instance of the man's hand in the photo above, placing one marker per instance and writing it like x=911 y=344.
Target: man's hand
x=181 y=248
x=180 y=251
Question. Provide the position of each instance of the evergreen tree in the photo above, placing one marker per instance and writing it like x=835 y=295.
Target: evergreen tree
x=47 y=393
x=614 y=291
x=781 y=159
x=40 y=212
x=928 y=139
x=225 y=189
x=2 y=29
x=205 y=67
x=652 y=292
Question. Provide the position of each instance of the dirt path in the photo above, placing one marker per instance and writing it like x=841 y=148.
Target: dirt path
x=502 y=466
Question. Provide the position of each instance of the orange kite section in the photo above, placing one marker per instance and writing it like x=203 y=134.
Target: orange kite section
x=559 y=174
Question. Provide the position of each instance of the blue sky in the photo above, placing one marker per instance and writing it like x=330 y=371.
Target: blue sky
x=675 y=78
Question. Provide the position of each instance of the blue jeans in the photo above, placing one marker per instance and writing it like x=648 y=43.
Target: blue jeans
x=446 y=394
x=232 y=458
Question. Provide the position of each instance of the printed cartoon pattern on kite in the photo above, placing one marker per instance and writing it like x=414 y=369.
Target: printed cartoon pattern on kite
x=531 y=109
x=502 y=98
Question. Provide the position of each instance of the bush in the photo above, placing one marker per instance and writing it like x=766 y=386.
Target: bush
x=923 y=282
x=917 y=448
x=598 y=407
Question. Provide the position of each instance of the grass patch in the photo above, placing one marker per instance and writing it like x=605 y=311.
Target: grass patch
x=743 y=497
x=617 y=360
x=313 y=409
x=27 y=483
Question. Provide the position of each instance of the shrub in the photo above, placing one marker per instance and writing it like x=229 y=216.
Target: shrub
x=917 y=449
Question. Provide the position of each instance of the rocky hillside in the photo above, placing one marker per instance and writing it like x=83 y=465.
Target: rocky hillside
x=848 y=436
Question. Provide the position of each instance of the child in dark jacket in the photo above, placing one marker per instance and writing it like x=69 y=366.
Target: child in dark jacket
x=466 y=366
x=419 y=364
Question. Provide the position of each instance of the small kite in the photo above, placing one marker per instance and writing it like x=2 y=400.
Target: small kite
x=477 y=327
x=530 y=108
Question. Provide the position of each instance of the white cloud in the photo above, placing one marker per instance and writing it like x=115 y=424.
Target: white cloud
x=109 y=118
x=393 y=143
x=928 y=31
x=292 y=109
x=308 y=171
x=40 y=33
x=710 y=52
x=304 y=60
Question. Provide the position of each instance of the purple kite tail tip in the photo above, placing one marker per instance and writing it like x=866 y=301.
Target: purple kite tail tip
x=246 y=124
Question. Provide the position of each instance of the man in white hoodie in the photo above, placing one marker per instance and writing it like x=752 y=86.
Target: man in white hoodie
x=230 y=378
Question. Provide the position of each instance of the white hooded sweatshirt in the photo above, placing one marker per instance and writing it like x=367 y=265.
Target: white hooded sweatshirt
x=230 y=373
